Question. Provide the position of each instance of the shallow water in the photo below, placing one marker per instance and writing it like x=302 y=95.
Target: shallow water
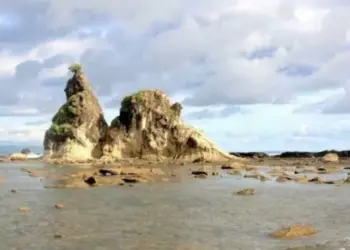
x=196 y=214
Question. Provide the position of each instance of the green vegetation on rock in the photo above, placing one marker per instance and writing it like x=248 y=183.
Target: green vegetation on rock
x=61 y=129
x=75 y=68
x=116 y=122
x=127 y=101
x=68 y=111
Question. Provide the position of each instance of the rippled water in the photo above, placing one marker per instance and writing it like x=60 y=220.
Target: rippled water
x=194 y=214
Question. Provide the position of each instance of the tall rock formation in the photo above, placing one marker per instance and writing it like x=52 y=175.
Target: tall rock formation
x=149 y=126
x=79 y=126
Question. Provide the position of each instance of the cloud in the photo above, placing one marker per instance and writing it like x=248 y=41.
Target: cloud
x=213 y=113
x=266 y=57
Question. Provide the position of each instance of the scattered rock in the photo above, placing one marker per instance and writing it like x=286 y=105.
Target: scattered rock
x=226 y=167
x=25 y=151
x=334 y=182
x=201 y=176
x=316 y=179
x=245 y=192
x=331 y=157
x=18 y=157
x=91 y=181
x=108 y=172
x=283 y=178
x=257 y=176
x=130 y=180
x=324 y=170
x=24 y=209
x=59 y=206
x=33 y=174
x=58 y=236
x=294 y=231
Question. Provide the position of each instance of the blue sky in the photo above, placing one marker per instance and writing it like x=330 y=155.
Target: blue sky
x=254 y=75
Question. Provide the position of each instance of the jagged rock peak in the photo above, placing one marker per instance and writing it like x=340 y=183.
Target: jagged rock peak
x=79 y=125
x=77 y=83
x=153 y=102
x=150 y=126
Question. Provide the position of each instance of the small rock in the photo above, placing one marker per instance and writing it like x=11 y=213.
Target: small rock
x=316 y=179
x=226 y=167
x=257 y=176
x=32 y=174
x=294 y=231
x=58 y=236
x=245 y=192
x=59 y=206
x=13 y=191
x=199 y=172
x=91 y=181
x=201 y=176
x=130 y=180
x=24 y=209
x=107 y=172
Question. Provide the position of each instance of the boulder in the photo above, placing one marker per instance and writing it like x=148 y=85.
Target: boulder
x=150 y=127
x=25 y=151
x=78 y=126
x=294 y=231
x=18 y=157
x=331 y=157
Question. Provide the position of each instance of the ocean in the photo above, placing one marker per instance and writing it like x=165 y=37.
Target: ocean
x=15 y=148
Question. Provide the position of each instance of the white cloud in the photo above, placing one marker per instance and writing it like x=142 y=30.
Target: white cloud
x=247 y=53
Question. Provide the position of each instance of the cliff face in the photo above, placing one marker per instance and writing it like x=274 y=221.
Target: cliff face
x=149 y=126
x=79 y=126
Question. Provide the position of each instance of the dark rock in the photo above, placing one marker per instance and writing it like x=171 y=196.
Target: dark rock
x=25 y=151
x=130 y=180
x=255 y=155
x=91 y=181
x=245 y=192
x=199 y=172
x=107 y=172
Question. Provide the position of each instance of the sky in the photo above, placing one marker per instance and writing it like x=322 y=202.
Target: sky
x=253 y=75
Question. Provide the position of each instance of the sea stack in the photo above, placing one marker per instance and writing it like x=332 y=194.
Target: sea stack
x=150 y=127
x=79 y=126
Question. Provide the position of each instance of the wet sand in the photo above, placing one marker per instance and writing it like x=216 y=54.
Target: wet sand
x=183 y=213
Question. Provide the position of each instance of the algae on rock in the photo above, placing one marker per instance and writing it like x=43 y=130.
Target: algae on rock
x=149 y=126
x=79 y=125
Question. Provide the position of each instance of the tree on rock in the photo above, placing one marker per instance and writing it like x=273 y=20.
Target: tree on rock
x=75 y=68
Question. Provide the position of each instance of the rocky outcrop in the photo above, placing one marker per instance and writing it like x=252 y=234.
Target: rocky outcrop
x=150 y=127
x=330 y=157
x=79 y=127
x=294 y=231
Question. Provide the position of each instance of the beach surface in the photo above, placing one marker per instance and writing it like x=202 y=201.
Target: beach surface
x=181 y=213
